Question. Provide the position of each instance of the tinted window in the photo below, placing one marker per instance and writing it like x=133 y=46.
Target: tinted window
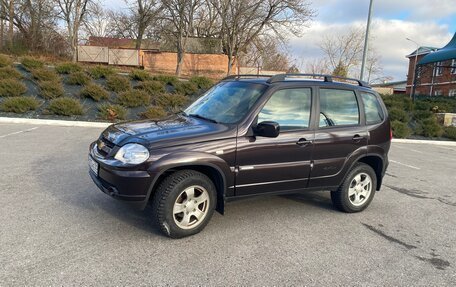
x=290 y=108
x=338 y=108
x=227 y=102
x=372 y=108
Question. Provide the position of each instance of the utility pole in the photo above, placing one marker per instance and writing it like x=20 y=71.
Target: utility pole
x=366 y=41
x=2 y=27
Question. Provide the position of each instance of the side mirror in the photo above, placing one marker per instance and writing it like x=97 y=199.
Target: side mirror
x=267 y=129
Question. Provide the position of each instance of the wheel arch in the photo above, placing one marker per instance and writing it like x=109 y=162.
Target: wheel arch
x=213 y=167
x=376 y=162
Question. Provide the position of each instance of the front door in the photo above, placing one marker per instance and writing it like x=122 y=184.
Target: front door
x=283 y=163
x=339 y=135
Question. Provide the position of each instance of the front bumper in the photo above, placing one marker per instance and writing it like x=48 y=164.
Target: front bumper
x=124 y=184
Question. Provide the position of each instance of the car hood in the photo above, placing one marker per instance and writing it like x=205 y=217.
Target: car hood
x=176 y=130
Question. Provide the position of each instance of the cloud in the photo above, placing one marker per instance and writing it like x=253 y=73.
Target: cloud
x=388 y=39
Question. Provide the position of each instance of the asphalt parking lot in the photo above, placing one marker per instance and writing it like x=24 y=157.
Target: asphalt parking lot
x=58 y=229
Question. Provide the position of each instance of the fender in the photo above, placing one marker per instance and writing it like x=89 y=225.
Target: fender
x=181 y=160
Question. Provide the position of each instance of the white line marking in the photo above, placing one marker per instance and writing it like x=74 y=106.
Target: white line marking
x=400 y=163
x=19 y=132
x=54 y=122
x=416 y=150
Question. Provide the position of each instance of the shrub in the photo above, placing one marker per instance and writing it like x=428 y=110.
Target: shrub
x=11 y=88
x=5 y=61
x=429 y=127
x=112 y=112
x=167 y=80
x=399 y=102
x=9 y=73
x=68 y=68
x=185 y=88
x=422 y=106
x=399 y=115
x=450 y=132
x=153 y=88
x=19 y=105
x=43 y=74
x=118 y=83
x=78 y=78
x=133 y=98
x=400 y=129
x=139 y=75
x=65 y=107
x=95 y=92
x=422 y=114
x=202 y=82
x=31 y=63
x=51 y=89
x=99 y=72
x=154 y=113
x=172 y=101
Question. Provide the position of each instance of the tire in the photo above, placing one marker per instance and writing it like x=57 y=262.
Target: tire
x=356 y=193
x=184 y=203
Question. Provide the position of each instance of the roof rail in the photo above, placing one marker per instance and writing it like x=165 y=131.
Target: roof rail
x=237 y=77
x=326 y=78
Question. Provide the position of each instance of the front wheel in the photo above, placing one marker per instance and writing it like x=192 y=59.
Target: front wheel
x=184 y=203
x=357 y=190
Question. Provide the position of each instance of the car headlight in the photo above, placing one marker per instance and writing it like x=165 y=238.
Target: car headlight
x=132 y=154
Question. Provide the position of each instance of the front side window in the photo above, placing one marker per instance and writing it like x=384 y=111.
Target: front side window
x=227 y=102
x=372 y=108
x=338 y=108
x=290 y=108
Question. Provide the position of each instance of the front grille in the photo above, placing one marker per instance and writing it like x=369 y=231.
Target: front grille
x=104 y=146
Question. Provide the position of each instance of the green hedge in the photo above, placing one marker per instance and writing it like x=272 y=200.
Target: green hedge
x=11 y=88
x=19 y=105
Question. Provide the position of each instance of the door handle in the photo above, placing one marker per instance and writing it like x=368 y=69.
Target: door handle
x=357 y=138
x=303 y=142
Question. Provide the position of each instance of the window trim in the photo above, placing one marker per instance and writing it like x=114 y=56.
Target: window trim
x=453 y=67
x=312 y=92
x=361 y=117
x=452 y=93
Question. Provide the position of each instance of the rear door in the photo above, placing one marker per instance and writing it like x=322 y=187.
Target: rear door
x=340 y=134
x=282 y=163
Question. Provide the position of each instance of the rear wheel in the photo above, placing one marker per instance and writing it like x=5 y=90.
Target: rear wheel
x=184 y=203
x=357 y=190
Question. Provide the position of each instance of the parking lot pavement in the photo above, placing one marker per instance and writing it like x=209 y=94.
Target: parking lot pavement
x=58 y=229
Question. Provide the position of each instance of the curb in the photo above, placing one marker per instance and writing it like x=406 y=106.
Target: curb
x=62 y=123
x=441 y=143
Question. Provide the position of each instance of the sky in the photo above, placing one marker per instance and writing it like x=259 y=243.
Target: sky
x=427 y=22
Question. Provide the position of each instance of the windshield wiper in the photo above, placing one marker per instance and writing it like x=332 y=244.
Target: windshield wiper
x=202 y=117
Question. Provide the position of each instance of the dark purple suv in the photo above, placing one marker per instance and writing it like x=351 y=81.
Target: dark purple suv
x=246 y=136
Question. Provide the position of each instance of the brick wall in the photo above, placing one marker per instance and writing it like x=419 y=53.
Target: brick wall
x=426 y=84
x=211 y=65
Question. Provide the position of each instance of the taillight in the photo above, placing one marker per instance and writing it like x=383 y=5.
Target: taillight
x=391 y=133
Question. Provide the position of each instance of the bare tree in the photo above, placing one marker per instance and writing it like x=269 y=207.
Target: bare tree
x=98 y=21
x=180 y=16
x=73 y=13
x=144 y=13
x=317 y=66
x=32 y=19
x=266 y=53
x=343 y=53
x=244 y=20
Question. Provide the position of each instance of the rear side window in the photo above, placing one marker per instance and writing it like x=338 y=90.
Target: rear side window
x=372 y=108
x=338 y=108
x=289 y=107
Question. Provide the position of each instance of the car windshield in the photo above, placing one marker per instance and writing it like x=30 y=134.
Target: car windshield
x=226 y=102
